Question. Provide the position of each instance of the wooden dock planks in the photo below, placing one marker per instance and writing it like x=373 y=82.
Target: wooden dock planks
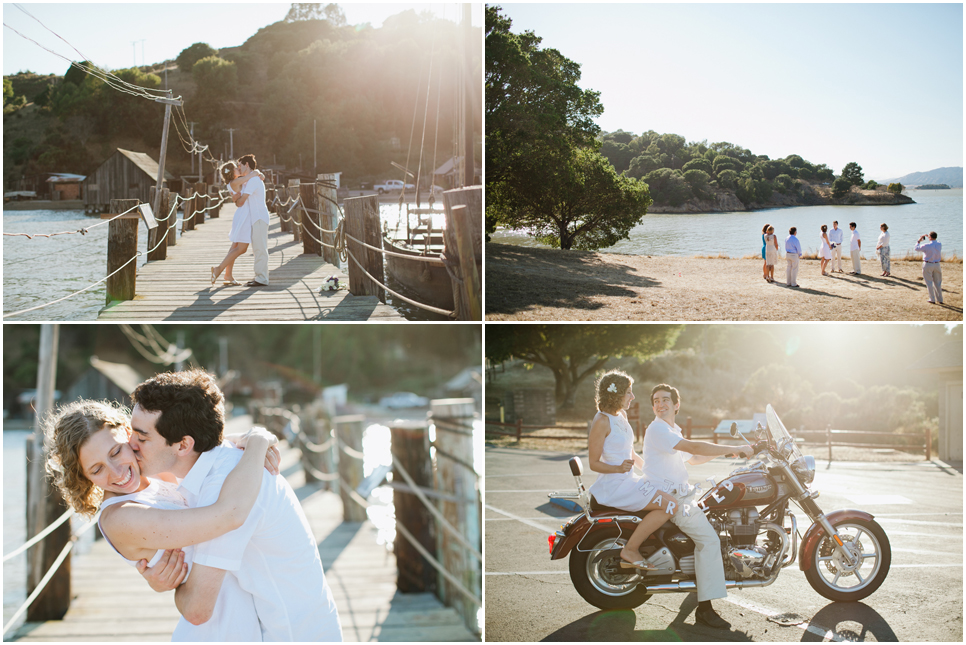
x=111 y=602
x=179 y=288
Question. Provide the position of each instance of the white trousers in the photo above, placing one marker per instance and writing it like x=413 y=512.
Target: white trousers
x=791 y=271
x=260 y=250
x=708 y=566
x=856 y=261
x=932 y=273
x=836 y=258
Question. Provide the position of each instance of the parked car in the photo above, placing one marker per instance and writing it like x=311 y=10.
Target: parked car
x=403 y=400
x=392 y=185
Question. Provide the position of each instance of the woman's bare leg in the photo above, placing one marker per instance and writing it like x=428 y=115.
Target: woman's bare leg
x=239 y=249
x=663 y=508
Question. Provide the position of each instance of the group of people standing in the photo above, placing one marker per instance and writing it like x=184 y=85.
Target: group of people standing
x=250 y=223
x=830 y=255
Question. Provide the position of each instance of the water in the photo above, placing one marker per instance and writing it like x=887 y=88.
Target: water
x=40 y=270
x=738 y=234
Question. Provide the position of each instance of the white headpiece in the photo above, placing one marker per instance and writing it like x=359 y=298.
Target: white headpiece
x=612 y=388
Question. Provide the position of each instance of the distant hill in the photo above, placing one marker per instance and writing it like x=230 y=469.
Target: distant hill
x=952 y=177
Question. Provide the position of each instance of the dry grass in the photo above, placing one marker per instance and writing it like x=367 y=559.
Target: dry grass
x=549 y=284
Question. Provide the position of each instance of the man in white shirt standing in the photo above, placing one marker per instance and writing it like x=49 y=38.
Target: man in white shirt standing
x=178 y=420
x=835 y=239
x=254 y=191
x=856 y=248
x=665 y=453
x=793 y=252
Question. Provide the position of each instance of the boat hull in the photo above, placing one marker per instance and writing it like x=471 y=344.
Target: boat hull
x=428 y=283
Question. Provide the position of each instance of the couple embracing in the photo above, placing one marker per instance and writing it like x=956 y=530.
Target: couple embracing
x=663 y=488
x=250 y=222
x=194 y=513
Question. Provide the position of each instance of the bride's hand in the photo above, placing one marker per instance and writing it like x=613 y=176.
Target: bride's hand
x=272 y=457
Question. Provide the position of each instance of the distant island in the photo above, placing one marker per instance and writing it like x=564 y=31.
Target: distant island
x=933 y=187
x=952 y=177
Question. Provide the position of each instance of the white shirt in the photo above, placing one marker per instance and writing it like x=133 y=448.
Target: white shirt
x=835 y=236
x=663 y=465
x=273 y=555
x=855 y=240
x=883 y=239
x=255 y=188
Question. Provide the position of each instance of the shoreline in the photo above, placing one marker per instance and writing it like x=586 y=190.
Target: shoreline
x=526 y=283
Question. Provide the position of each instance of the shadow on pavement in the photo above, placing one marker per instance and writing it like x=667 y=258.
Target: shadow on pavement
x=852 y=621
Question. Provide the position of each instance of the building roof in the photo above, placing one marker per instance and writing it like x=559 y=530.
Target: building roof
x=121 y=375
x=65 y=178
x=945 y=358
x=145 y=163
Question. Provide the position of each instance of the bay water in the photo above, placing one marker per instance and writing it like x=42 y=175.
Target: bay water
x=738 y=234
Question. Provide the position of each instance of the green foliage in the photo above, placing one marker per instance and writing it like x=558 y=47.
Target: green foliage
x=795 y=161
x=872 y=184
x=668 y=187
x=699 y=163
x=20 y=150
x=773 y=168
x=619 y=137
x=579 y=202
x=642 y=165
x=724 y=162
x=784 y=183
x=574 y=352
x=619 y=154
x=895 y=188
x=745 y=190
x=852 y=173
x=217 y=82
x=728 y=179
x=188 y=57
x=840 y=187
x=698 y=181
x=823 y=173
x=7 y=91
x=316 y=11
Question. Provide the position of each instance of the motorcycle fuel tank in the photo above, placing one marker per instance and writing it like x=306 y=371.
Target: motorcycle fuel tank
x=746 y=489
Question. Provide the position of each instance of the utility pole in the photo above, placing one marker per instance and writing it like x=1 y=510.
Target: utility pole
x=191 y=135
x=134 y=52
x=168 y=102
x=468 y=170
x=231 y=137
x=315 y=150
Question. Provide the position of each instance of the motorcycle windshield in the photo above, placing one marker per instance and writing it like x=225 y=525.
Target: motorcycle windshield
x=780 y=435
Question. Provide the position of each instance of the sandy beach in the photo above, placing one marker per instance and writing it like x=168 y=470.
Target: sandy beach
x=549 y=284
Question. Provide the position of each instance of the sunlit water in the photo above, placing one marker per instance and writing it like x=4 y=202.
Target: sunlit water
x=40 y=270
x=737 y=234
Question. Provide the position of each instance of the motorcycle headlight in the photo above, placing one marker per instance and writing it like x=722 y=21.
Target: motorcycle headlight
x=804 y=468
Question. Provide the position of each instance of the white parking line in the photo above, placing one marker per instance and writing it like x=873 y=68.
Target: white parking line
x=920 y=522
x=922 y=566
x=826 y=634
x=525 y=573
x=530 y=523
x=535 y=490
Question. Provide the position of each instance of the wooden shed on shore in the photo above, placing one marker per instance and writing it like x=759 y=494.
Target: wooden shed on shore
x=125 y=175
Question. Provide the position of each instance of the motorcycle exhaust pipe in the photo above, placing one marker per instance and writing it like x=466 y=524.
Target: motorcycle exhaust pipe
x=690 y=586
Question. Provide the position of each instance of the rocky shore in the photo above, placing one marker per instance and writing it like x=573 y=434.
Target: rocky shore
x=725 y=201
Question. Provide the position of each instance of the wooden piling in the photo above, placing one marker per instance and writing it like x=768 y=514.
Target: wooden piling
x=214 y=202
x=188 y=220
x=157 y=249
x=122 y=245
x=471 y=291
x=410 y=447
x=310 y=221
x=295 y=226
x=362 y=223
x=318 y=429
x=454 y=445
x=201 y=203
x=327 y=200
x=472 y=221
x=167 y=201
x=348 y=432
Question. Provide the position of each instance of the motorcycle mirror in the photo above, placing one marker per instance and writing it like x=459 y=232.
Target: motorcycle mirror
x=576 y=467
x=734 y=429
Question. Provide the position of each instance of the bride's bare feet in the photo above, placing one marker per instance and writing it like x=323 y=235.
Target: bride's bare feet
x=633 y=560
x=214 y=276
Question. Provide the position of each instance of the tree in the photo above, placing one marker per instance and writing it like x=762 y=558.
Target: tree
x=668 y=187
x=699 y=163
x=698 y=181
x=840 y=187
x=189 y=56
x=574 y=352
x=7 y=91
x=852 y=173
x=619 y=154
x=316 y=11
x=579 y=203
x=895 y=188
x=217 y=82
x=724 y=162
x=642 y=165
x=784 y=183
x=872 y=184
x=728 y=179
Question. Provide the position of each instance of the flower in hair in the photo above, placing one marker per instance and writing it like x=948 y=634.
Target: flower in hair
x=612 y=388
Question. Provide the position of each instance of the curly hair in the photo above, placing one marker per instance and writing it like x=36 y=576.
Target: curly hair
x=664 y=387
x=607 y=400
x=228 y=171
x=65 y=432
x=191 y=404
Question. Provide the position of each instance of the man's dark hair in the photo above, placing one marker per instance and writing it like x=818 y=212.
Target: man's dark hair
x=792 y=230
x=249 y=160
x=932 y=235
x=664 y=387
x=191 y=404
x=835 y=222
x=852 y=224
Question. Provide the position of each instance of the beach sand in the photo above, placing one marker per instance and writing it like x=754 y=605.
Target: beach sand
x=525 y=283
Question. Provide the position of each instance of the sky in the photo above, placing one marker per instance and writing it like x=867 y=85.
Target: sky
x=110 y=35
x=878 y=84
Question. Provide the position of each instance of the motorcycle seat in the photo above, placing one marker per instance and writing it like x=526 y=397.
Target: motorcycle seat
x=598 y=509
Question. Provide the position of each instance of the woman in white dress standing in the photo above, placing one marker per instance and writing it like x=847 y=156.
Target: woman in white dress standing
x=241 y=223
x=612 y=455
x=882 y=248
x=826 y=252
x=771 y=253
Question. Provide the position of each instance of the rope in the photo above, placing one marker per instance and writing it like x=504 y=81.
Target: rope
x=81 y=231
x=37 y=538
x=435 y=310
x=419 y=258
x=350 y=451
x=455 y=425
x=465 y=464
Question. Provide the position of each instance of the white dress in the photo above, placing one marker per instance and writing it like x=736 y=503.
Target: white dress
x=620 y=490
x=241 y=223
x=826 y=249
x=240 y=626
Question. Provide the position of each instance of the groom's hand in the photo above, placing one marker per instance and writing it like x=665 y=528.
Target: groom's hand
x=168 y=573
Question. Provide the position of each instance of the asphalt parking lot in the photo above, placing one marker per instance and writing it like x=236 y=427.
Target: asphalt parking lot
x=528 y=597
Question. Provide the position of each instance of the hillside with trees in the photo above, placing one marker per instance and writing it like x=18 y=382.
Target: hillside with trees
x=355 y=86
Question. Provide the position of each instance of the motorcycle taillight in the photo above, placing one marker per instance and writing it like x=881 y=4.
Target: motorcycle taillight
x=551 y=539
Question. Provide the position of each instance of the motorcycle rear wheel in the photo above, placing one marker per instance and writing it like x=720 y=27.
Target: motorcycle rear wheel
x=824 y=573
x=598 y=578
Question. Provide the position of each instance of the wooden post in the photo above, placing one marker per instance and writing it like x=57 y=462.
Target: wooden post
x=928 y=443
x=122 y=245
x=410 y=446
x=310 y=221
x=472 y=198
x=44 y=503
x=295 y=226
x=188 y=220
x=284 y=217
x=157 y=250
x=327 y=204
x=828 y=440
x=317 y=427
x=167 y=199
x=471 y=296
x=348 y=431
x=201 y=202
x=362 y=223
x=687 y=429
x=213 y=199
x=519 y=429
x=454 y=443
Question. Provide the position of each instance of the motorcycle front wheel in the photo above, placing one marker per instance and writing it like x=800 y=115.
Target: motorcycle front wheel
x=599 y=579
x=833 y=577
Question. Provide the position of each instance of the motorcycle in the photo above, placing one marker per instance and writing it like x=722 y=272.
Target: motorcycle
x=845 y=554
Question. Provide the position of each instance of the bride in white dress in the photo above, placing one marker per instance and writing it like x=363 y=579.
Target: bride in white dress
x=241 y=223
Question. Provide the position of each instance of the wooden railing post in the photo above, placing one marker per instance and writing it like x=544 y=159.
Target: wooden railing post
x=828 y=440
x=519 y=429
x=410 y=447
x=310 y=221
x=122 y=245
x=471 y=291
x=201 y=202
x=472 y=198
x=928 y=443
x=156 y=250
x=348 y=432
x=167 y=199
x=213 y=199
x=328 y=206
x=318 y=429
x=455 y=476
x=362 y=223
x=295 y=226
x=687 y=429
x=188 y=220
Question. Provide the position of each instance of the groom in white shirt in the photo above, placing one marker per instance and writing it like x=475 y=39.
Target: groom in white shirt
x=835 y=238
x=254 y=193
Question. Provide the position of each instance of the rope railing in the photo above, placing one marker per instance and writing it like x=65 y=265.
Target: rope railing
x=80 y=231
x=419 y=258
x=435 y=310
x=40 y=536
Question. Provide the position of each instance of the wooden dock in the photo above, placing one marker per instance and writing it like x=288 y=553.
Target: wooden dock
x=111 y=602
x=179 y=287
